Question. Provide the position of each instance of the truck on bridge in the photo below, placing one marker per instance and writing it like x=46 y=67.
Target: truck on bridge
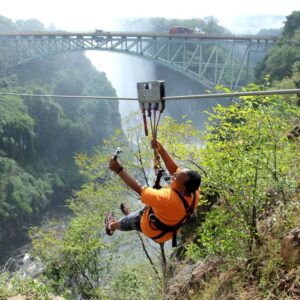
x=184 y=29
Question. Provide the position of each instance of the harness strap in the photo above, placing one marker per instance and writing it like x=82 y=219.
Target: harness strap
x=171 y=228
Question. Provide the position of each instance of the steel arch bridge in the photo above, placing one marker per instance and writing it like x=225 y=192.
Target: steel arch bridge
x=209 y=59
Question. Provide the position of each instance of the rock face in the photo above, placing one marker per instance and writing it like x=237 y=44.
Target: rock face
x=18 y=297
x=190 y=278
x=290 y=248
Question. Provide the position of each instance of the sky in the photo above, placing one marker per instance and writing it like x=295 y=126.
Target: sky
x=90 y=14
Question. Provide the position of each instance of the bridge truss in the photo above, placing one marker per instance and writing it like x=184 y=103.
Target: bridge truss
x=209 y=59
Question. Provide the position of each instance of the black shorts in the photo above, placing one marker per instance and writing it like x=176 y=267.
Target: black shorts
x=132 y=221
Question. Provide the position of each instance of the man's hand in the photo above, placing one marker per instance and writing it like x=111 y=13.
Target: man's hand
x=168 y=160
x=114 y=165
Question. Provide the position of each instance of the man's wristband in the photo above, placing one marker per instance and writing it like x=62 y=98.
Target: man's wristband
x=121 y=168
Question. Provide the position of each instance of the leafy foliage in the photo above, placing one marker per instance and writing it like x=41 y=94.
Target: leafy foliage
x=248 y=158
x=135 y=282
x=39 y=136
x=283 y=57
x=76 y=258
x=292 y=24
x=262 y=276
x=72 y=262
x=12 y=285
x=16 y=128
x=244 y=157
x=21 y=193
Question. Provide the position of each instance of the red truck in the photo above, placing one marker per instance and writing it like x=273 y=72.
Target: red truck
x=181 y=29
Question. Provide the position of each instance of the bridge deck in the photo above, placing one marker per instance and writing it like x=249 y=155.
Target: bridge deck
x=122 y=34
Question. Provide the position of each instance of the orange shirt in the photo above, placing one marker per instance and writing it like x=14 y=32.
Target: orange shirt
x=167 y=207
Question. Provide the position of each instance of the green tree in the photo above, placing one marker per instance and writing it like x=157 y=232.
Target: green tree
x=21 y=193
x=16 y=128
x=41 y=135
x=7 y=25
x=292 y=24
x=279 y=63
x=12 y=285
x=248 y=158
x=74 y=257
x=30 y=25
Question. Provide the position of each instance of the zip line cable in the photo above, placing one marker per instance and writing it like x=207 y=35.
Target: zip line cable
x=183 y=97
x=235 y=94
x=68 y=96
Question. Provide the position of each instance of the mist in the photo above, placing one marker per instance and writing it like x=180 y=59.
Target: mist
x=252 y=24
x=123 y=71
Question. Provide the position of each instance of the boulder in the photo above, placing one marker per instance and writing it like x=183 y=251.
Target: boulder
x=290 y=248
x=18 y=297
x=190 y=278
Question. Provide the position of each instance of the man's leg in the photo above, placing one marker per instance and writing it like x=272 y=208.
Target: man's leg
x=127 y=223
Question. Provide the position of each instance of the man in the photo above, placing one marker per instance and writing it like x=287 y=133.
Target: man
x=166 y=209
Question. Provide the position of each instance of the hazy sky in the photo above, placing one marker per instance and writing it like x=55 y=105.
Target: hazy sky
x=91 y=14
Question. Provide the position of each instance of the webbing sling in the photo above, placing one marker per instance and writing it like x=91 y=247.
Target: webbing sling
x=171 y=228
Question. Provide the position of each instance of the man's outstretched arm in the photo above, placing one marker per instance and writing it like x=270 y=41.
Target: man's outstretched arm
x=129 y=180
x=170 y=163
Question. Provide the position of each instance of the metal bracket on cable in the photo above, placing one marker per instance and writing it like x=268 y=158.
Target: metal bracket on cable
x=151 y=92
